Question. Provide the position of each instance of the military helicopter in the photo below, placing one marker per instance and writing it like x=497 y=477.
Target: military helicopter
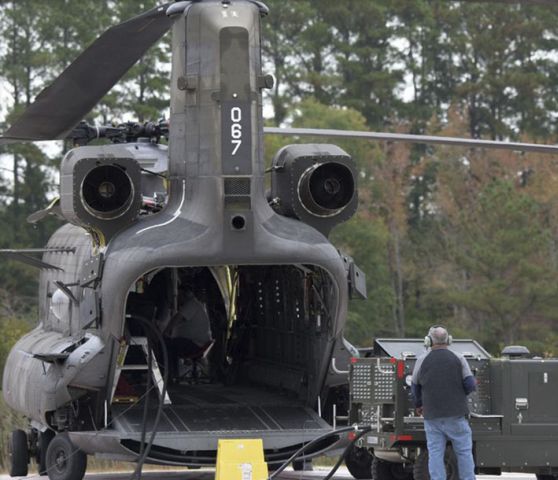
x=147 y=223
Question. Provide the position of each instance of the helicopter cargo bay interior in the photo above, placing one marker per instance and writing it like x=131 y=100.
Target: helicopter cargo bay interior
x=259 y=335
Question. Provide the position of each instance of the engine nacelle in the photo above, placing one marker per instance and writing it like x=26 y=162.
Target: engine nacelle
x=101 y=194
x=315 y=183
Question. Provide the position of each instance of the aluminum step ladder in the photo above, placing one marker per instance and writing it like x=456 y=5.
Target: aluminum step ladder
x=122 y=366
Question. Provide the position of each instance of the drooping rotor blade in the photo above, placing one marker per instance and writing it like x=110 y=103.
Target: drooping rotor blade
x=59 y=107
x=24 y=255
x=27 y=259
x=409 y=138
x=38 y=250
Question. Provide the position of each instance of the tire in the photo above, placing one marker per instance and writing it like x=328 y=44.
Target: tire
x=19 y=454
x=64 y=461
x=420 y=469
x=359 y=463
x=383 y=470
x=43 y=441
x=545 y=476
x=303 y=466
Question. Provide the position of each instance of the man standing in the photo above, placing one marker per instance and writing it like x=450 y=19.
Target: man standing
x=442 y=380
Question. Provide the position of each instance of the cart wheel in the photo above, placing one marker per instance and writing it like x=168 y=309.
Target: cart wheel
x=359 y=462
x=64 y=460
x=303 y=466
x=420 y=469
x=383 y=470
x=43 y=442
x=19 y=454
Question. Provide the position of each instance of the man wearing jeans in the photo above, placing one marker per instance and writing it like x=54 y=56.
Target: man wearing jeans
x=442 y=380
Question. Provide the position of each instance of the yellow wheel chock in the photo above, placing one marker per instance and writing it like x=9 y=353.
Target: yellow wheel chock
x=241 y=459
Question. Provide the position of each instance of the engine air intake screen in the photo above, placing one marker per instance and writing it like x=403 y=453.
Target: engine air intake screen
x=325 y=189
x=315 y=183
x=99 y=192
x=107 y=191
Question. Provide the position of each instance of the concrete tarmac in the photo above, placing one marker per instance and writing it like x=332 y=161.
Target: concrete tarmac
x=317 y=474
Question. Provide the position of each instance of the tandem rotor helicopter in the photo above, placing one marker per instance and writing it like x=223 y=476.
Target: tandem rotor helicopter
x=149 y=226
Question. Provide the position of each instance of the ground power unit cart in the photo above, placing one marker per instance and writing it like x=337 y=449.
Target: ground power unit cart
x=514 y=413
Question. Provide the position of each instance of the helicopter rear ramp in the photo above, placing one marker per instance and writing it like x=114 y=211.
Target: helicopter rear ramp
x=222 y=419
x=201 y=415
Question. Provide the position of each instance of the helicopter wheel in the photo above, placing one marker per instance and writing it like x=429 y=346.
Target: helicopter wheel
x=43 y=441
x=359 y=462
x=384 y=470
x=19 y=454
x=64 y=460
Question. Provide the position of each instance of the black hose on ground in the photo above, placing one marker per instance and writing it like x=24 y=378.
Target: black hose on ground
x=295 y=455
x=345 y=453
x=141 y=460
x=146 y=402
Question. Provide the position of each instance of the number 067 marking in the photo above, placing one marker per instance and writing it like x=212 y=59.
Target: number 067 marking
x=236 y=129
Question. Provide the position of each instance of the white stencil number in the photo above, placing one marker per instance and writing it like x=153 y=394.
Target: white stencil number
x=236 y=129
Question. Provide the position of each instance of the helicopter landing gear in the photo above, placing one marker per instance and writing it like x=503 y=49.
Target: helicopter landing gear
x=19 y=454
x=43 y=441
x=64 y=461
x=384 y=470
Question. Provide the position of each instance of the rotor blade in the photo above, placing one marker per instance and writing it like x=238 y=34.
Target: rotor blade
x=409 y=138
x=59 y=107
x=34 y=262
x=9 y=251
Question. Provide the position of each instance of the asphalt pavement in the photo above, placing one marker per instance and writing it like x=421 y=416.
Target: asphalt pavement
x=288 y=474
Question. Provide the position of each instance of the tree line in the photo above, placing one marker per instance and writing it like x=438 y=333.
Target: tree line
x=467 y=238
